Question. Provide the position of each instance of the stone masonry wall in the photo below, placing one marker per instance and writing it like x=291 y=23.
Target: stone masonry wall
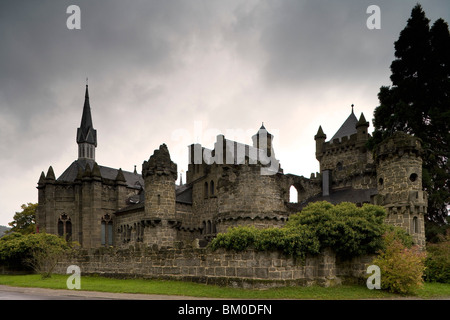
x=248 y=269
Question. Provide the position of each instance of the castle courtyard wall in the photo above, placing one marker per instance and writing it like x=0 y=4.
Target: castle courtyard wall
x=248 y=269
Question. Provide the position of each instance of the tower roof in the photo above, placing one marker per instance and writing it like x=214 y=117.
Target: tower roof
x=86 y=132
x=262 y=131
x=348 y=127
x=362 y=121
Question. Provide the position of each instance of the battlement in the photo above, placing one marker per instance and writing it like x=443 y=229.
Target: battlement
x=160 y=164
x=402 y=198
x=398 y=144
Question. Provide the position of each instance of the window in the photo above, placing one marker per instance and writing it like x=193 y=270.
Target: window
x=211 y=185
x=65 y=227
x=413 y=177
x=339 y=166
x=206 y=190
x=107 y=230
x=415 y=225
x=293 y=194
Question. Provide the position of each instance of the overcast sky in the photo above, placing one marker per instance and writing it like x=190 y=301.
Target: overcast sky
x=179 y=72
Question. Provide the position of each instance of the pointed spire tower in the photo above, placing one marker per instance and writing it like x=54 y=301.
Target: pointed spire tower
x=86 y=134
x=263 y=140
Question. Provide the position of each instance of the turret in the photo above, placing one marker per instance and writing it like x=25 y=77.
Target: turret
x=361 y=130
x=160 y=174
x=320 y=138
x=263 y=140
x=121 y=189
x=399 y=176
x=50 y=177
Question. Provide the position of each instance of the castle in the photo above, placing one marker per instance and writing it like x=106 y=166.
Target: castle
x=232 y=184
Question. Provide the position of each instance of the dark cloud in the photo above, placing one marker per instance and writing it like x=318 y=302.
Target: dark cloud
x=157 y=67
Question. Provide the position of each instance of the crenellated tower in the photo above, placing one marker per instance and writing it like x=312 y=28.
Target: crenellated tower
x=344 y=160
x=399 y=177
x=160 y=174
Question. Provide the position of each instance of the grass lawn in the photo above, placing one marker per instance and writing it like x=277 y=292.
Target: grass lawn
x=92 y=283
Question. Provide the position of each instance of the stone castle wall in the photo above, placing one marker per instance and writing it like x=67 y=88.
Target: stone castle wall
x=243 y=269
x=245 y=194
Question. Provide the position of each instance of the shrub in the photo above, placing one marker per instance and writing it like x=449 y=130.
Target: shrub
x=39 y=252
x=401 y=267
x=238 y=239
x=347 y=229
x=438 y=261
x=291 y=242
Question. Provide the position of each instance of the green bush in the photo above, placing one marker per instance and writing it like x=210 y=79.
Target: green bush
x=401 y=267
x=288 y=241
x=347 y=229
x=32 y=251
x=438 y=261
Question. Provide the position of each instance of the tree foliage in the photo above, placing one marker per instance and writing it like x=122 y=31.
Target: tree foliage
x=24 y=221
x=40 y=252
x=347 y=229
x=438 y=260
x=418 y=102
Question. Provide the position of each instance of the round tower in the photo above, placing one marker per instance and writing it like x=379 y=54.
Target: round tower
x=160 y=174
x=399 y=183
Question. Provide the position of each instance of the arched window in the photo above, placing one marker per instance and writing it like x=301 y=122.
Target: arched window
x=204 y=227
x=211 y=185
x=293 y=194
x=208 y=227
x=107 y=230
x=65 y=227
x=206 y=190
x=415 y=225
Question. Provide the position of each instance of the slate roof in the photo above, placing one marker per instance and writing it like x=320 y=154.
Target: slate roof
x=358 y=196
x=137 y=202
x=348 y=127
x=184 y=194
x=133 y=180
x=86 y=131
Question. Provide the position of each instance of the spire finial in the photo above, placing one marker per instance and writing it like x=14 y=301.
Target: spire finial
x=352 y=107
x=262 y=126
x=87 y=81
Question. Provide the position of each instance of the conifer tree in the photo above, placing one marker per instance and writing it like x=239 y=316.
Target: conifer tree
x=418 y=102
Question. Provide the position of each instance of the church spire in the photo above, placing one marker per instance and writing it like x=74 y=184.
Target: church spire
x=86 y=134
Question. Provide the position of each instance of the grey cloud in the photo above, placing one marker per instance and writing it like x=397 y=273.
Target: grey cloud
x=143 y=59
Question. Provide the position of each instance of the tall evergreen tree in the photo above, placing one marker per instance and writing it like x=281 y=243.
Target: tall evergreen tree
x=418 y=102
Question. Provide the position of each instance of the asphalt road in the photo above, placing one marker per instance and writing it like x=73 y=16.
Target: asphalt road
x=19 y=293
